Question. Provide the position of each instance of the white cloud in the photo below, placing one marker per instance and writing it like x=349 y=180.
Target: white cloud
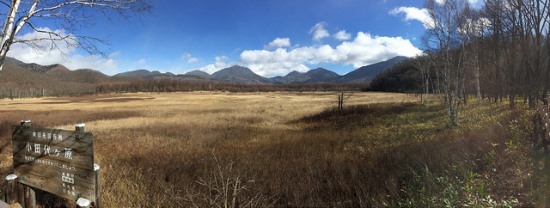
x=422 y=14
x=319 y=32
x=365 y=49
x=278 y=43
x=141 y=61
x=107 y=65
x=413 y=13
x=342 y=35
x=66 y=53
x=189 y=58
x=220 y=63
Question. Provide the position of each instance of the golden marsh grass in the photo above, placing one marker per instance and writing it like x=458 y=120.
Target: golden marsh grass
x=151 y=147
x=281 y=149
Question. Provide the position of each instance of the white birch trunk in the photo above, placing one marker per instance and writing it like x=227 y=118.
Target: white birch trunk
x=8 y=32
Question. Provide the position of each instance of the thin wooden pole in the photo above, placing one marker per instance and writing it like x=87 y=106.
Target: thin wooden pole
x=81 y=127
x=97 y=203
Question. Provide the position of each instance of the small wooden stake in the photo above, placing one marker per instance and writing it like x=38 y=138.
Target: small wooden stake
x=97 y=203
x=11 y=189
x=27 y=123
x=81 y=127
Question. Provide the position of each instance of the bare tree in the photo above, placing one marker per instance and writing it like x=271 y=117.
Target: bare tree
x=494 y=43
x=472 y=29
x=504 y=46
x=69 y=15
x=443 y=40
x=520 y=30
x=501 y=51
x=423 y=63
x=536 y=30
x=341 y=97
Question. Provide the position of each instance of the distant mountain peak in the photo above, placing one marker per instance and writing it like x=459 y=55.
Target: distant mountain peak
x=239 y=74
x=321 y=75
x=294 y=74
x=142 y=73
x=57 y=69
x=316 y=75
x=319 y=69
x=367 y=73
x=198 y=73
x=238 y=67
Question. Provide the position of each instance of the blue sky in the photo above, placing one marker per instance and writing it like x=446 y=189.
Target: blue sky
x=272 y=37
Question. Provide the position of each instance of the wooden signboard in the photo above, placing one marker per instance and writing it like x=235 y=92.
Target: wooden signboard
x=57 y=161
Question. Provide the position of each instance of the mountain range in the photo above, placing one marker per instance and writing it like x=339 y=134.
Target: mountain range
x=243 y=75
x=35 y=75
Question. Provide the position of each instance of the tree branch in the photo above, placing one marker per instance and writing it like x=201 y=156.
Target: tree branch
x=2 y=2
x=23 y=20
x=114 y=4
x=52 y=36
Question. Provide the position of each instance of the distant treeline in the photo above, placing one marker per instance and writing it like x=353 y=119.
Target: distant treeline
x=167 y=85
x=32 y=92
x=12 y=92
x=170 y=85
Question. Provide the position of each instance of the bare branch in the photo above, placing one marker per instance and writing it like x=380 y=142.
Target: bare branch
x=52 y=36
x=3 y=2
x=70 y=15
x=113 y=4
x=23 y=20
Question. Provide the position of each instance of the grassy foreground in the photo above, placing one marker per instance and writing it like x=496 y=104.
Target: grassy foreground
x=292 y=149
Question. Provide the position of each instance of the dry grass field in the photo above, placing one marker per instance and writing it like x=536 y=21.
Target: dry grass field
x=210 y=149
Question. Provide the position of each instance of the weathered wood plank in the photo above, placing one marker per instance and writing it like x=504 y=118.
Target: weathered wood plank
x=30 y=197
x=21 y=194
x=54 y=160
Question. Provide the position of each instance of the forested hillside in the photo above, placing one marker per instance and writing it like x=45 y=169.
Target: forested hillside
x=402 y=77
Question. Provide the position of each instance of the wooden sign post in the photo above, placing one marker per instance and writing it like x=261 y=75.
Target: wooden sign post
x=57 y=161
